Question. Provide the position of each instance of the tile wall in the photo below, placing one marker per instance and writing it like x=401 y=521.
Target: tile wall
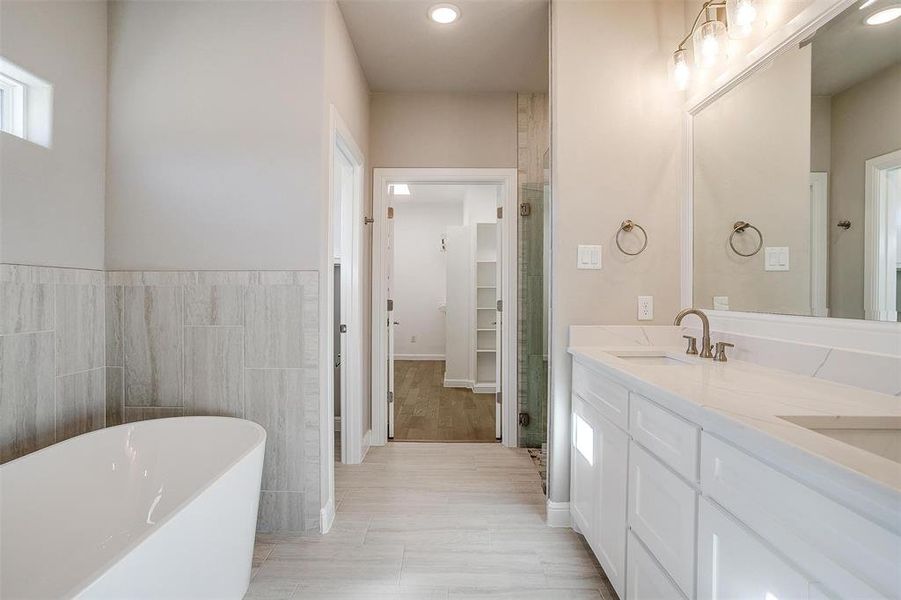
x=80 y=350
x=51 y=356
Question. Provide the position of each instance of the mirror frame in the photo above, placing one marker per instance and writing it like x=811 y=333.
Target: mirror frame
x=858 y=334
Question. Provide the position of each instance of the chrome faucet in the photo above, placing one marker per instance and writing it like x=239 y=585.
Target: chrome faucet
x=706 y=346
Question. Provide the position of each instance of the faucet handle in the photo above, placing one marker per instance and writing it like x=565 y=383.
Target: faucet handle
x=692 y=344
x=720 y=355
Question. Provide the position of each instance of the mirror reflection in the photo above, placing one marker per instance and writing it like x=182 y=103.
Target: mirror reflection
x=797 y=180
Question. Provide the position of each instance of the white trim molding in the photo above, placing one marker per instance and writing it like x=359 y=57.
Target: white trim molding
x=872 y=336
x=881 y=236
x=819 y=244
x=418 y=356
x=382 y=178
x=327 y=516
x=557 y=514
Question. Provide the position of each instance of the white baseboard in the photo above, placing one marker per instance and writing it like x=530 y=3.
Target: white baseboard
x=484 y=388
x=558 y=514
x=327 y=516
x=458 y=383
x=337 y=423
x=418 y=357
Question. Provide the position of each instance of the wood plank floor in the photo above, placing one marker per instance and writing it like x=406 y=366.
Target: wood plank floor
x=432 y=522
x=425 y=410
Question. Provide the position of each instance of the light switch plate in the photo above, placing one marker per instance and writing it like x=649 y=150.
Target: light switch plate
x=590 y=257
x=776 y=258
x=721 y=303
x=646 y=308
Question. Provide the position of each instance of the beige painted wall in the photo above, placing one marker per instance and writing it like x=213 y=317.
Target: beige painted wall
x=741 y=174
x=51 y=199
x=216 y=135
x=616 y=154
x=865 y=124
x=820 y=133
x=443 y=130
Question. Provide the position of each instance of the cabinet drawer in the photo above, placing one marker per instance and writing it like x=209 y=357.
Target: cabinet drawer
x=672 y=439
x=610 y=399
x=645 y=580
x=734 y=563
x=844 y=552
x=662 y=515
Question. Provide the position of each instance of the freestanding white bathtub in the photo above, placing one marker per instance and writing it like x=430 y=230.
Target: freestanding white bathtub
x=156 y=509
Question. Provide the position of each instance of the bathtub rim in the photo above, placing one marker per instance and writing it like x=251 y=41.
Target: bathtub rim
x=85 y=582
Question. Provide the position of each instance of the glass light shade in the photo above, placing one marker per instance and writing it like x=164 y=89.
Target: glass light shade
x=709 y=43
x=681 y=72
x=740 y=16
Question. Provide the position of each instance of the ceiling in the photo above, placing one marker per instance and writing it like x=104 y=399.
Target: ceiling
x=846 y=51
x=495 y=46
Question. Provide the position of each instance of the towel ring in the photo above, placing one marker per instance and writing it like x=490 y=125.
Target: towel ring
x=627 y=226
x=739 y=227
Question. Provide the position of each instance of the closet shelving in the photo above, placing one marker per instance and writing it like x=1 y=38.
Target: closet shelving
x=485 y=307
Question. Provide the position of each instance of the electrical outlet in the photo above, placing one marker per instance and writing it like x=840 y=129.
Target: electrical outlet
x=645 y=308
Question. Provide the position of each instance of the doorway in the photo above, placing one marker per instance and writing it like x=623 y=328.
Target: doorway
x=882 y=237
x=444 y=283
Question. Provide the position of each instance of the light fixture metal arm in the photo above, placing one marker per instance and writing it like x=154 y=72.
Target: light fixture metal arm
x=704 y=7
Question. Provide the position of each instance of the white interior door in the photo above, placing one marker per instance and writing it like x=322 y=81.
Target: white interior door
x=391 y=323
x=499 y=337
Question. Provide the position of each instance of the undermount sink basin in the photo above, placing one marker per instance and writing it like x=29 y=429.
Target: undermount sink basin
x=879 y=435
x=652 y=359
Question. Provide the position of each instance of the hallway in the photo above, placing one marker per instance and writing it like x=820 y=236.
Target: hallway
x=432 y=521
x=426 y=411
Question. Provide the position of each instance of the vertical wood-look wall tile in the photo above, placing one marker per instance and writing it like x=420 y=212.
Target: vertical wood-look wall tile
x=277 y=399
x=115 y=349
x=214 y=305
x=214 y=371
x=274 y=329
x=80 y=343
x=25 y=307
x=154 y=349
x=26 y=393
x=143 y=413
x=80 y=405
x=115 y=396
x=283 y=511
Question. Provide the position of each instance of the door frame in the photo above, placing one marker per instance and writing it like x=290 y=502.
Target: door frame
x=506 y=179
x=880 y=239
x=353 y=442
x=819 y=244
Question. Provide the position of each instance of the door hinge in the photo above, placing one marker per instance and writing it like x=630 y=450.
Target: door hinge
x=500 y=306
x=525 y=209
x=390 y=212
x=390 y=396
x=342 y=328
x=500 y=212
x=390 y=304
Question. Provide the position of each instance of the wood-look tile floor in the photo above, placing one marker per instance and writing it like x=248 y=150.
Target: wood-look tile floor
x=432 y=522
x=425 y=410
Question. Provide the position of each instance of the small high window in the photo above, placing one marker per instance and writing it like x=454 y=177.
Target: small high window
x=26 y=104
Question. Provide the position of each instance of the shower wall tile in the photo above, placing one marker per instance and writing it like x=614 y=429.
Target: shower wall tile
x=115 y=346
x=80 y=403
x=154 y=318
x=214 y=371
x=25 y=307
x=27 y=380
x=79 y=328
x=283 y=511
x=115 y=396
x=214 y=305
x=274 y=323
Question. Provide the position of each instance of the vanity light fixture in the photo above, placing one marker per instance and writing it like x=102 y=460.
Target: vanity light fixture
x=444 y=13
x=866 y=4
x=886 y=15
x=709 y=38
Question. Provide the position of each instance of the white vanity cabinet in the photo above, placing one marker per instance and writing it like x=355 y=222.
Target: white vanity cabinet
x=674 y=510
x=598 y=503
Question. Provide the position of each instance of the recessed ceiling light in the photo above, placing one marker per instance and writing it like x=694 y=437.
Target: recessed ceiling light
x=444 y=13
x=885 y=15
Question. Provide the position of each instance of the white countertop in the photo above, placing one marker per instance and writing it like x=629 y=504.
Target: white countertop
x=742 y=402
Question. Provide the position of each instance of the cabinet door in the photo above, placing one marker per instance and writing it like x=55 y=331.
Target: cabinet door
x=734 y=563
x=646 y=580
x=662 y=514
x=584 y=484
x=612 y=456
